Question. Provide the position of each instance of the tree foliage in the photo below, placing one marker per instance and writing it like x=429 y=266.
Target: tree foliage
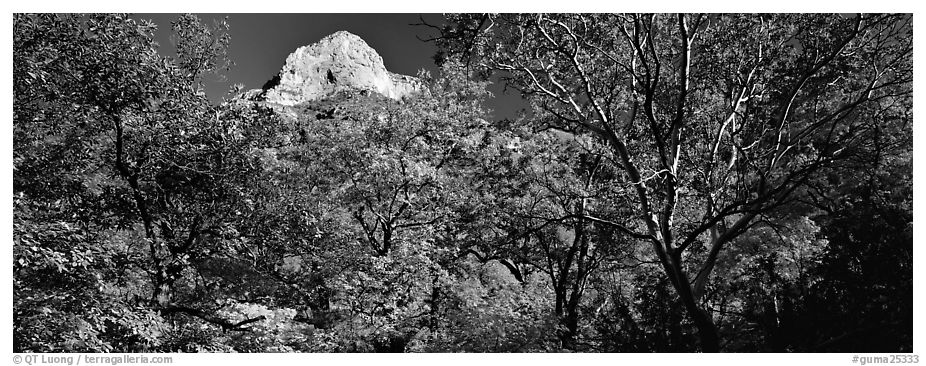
x=678 y=183
x=714 y=121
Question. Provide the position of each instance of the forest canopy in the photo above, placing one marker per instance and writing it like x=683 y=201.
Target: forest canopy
x=677 y=183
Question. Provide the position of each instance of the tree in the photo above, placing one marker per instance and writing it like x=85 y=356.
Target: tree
x=62 y=91
x=528 y=210
x=713 y=120
x=354 y=212
x=150 y=168
x=735 y=182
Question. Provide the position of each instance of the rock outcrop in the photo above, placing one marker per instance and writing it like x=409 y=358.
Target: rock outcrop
x=338 y=62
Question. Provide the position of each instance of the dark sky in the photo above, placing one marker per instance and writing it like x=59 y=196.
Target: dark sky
x=261 y=42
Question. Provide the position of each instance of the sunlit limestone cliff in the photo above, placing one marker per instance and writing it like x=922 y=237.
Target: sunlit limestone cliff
x=339 y=62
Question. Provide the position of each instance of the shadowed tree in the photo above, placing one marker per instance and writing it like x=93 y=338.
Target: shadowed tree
x=713 y=120
x=148 y=160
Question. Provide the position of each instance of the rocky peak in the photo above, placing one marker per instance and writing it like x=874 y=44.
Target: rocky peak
x=340 y=61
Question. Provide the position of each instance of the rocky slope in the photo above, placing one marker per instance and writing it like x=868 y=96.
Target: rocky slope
x=341 y=61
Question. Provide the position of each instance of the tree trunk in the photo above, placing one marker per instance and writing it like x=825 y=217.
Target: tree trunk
x=568 y=317
x=708 y=336
x=571 y=324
